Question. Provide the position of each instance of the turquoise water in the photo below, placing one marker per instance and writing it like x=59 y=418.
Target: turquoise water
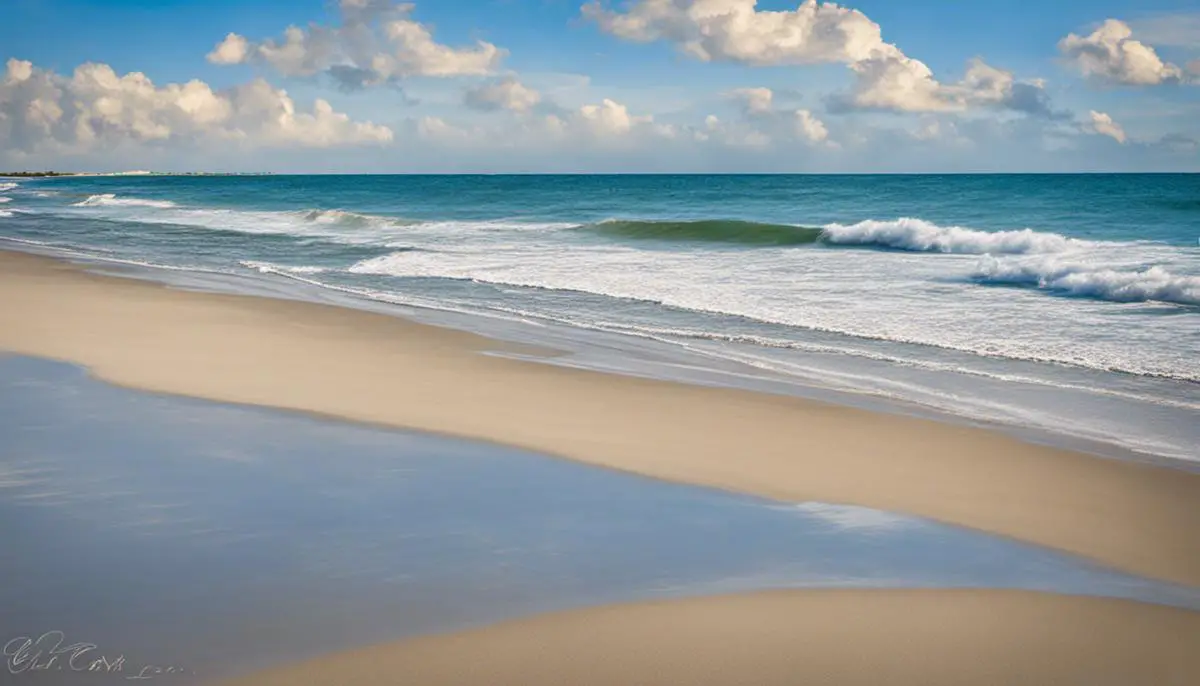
x=1066 y=304
x=217 y=538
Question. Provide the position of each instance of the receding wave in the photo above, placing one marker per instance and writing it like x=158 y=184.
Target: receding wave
x=922 y=236
x=1153 y=284
x=272 y=268
x=708 y=230
x=111 y=200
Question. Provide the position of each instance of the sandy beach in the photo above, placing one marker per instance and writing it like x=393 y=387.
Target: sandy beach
x=385 y=370
x=382 y=369
x=808 y=637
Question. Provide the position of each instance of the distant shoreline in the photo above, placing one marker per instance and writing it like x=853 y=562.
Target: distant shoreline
x=56 y=174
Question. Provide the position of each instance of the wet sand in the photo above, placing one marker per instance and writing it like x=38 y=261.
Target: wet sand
x=225 y=539
x=381 y=369
x=868 y=637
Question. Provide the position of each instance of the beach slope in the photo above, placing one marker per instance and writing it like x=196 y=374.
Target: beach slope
x=868 y=637
x=377 y=368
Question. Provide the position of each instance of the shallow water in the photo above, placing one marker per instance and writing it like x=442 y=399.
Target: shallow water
x=217 y=538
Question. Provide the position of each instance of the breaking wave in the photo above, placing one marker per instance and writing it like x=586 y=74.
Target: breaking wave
x=8 y=186
x=708 y=230
x=111 y=200
x=910 y=234
x=5 y=214
x=919 y=235
x=1153 y=284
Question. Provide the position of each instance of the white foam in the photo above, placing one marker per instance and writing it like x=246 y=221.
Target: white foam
x=4 y=199
x=5 y=214
x=110 y=199
x=271 y=268
x=1153 y=284
x=923 y=236
x=8 y=186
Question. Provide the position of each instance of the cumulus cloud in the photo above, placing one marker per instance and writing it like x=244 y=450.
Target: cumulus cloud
x=754 y=100
x=810 y=128
x=733 y=30
x=817 y=32
x=1111 y=54
x=95 y=107
x=1103 y=125
x=762 y=125
x=376 y=43
x=506 y=94
x=233 y=50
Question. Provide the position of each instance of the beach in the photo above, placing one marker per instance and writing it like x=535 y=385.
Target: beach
x=381 y=369
x=809 y=637
x=384 y=370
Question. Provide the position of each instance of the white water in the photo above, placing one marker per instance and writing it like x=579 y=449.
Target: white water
x=949 y=317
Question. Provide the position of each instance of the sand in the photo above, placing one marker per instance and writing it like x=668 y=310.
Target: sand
x=868 y=637
x=382 y=369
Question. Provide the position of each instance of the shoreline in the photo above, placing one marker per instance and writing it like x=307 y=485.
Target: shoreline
x=950 y=637
x=381 y=369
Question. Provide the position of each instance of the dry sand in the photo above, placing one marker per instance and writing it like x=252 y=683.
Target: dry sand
x=382 y=369
x=801 y=638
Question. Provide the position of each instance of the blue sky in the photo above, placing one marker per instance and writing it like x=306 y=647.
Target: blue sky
x=578 y=85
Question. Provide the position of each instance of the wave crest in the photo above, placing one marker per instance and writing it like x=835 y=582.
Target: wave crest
x=1153 y=284
x=111 y=200
x=8 y=186
x=919 y=235
x=708 y=230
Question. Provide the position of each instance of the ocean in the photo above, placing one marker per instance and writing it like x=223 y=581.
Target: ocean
x=1064 y=307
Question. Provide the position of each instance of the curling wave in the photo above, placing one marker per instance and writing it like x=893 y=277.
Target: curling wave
x=1153 y=284
x=916 y=235
x=919 y=235
x=708 y=230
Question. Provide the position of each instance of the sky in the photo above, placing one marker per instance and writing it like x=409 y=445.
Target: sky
x=582 y=86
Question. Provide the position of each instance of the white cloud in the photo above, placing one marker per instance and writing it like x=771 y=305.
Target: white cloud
x=754 y=100
x=609 y=118
x=1111 y=54
x=1103 y=125
x=95 y=107
x=507 y=94
x=816 y=32
x=233 y=50
x=733 y=30
x=810 y=128
x=761 y=126
x=376 y=43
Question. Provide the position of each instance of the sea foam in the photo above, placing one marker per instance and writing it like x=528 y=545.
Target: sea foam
x=922 y=236
x=111 y=200
x=7 y=186
x=1152 y=284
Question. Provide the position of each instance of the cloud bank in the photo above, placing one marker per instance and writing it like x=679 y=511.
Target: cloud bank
x=94 y=108
x=376 y=43
x=815 y=33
